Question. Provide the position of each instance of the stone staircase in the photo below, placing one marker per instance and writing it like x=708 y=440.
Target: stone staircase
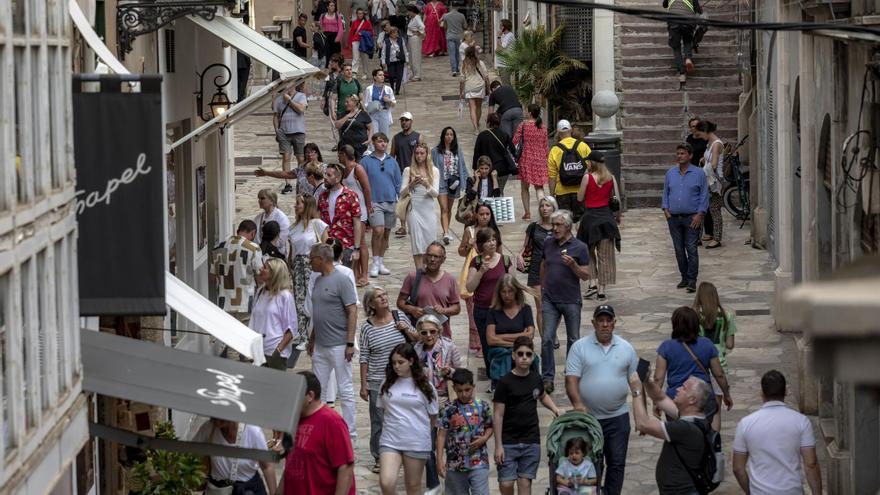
x=654 y=110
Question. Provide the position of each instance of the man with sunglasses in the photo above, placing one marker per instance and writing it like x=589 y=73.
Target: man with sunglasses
x=385 y=180
x=434 y=291
x=597 y=375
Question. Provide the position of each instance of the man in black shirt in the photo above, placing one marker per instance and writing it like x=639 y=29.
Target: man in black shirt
x=506 y=105
x=402 y=146
x=301 y=37
x=682 y=435
x=517 y=434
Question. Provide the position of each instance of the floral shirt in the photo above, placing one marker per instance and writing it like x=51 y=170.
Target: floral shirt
x=463 y=423
x=347 y=209
x=439 y=362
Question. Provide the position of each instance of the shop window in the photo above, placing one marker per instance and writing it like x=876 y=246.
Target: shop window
x=18 y=16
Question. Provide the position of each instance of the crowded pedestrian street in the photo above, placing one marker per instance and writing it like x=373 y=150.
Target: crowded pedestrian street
x=643 y=297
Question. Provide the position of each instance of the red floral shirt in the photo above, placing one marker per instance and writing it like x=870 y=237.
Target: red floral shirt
x=347 y=209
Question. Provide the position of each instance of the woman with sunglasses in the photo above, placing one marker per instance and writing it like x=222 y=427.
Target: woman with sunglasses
x=517 y=432
x=381 y=332
x=509 y=318
x=484 y=218
x=411 y=408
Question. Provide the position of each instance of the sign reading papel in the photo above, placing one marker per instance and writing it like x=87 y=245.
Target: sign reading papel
x=120 y=197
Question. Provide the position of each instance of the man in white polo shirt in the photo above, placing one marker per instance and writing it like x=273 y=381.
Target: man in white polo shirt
x=771 y=442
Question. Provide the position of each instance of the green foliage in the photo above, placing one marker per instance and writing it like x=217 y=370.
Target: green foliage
x=168 y=473
x=537 y=63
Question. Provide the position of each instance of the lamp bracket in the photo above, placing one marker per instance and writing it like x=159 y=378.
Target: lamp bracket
x=137 y=17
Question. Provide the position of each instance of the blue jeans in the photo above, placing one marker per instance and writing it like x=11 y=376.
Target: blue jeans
x=452 y=49
x=481 y=318
x=552 y=312
x=616 y=433
x=685 y=240
x=473 y=482
x=377 y=416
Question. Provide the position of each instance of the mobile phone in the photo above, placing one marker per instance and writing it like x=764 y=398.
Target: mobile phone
x=564 y=252
x=642 y=369
x=478 y=262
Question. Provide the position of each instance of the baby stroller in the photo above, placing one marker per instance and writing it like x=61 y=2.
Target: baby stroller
x=569 y=425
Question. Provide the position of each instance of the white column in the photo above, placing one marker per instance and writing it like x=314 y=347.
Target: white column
x=809 y=172
x=787 y=45
x=603 y=52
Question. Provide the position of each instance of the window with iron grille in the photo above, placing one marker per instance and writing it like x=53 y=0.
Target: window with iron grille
x=577 y=38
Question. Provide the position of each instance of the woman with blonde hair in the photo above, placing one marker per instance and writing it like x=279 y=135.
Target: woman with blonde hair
x=599 y=226
x=533 y=245
x=274 y=312
x=509 y=318
x=473 y=81
x=718 y=325
x=308 y=229
x=420 y=184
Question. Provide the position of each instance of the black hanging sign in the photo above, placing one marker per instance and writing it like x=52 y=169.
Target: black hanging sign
x=118 y=141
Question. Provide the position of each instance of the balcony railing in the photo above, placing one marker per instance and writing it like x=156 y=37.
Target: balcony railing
x=137 y=17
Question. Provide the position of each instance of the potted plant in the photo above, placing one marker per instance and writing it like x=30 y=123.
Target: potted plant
x=168 y=473
x=537 y=63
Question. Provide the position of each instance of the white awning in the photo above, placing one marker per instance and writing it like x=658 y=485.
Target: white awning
x=212 y=319
x=244 y=39
x=93 y=40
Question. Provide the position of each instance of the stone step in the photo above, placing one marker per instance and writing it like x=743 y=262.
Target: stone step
x=675 y=109
x=707 y=51
x=665 y=134
x=643 y=199
x=670 y=82
x=632 y=123
x=654 y=158
x=666 y=61
x=630 y=37
x=694 y=96
x=665 y=70
x=653 y=147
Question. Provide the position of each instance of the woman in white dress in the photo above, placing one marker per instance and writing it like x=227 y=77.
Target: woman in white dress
x=307 y=230
x=419 y=183
x=379 y=100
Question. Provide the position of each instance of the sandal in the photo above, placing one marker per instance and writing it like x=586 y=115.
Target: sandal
x=713 y=245
x=591 y=291
x=400 y=232
x=527 y=217
x=375 y=468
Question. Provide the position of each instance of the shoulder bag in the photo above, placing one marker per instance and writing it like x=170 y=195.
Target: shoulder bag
x=518 y=149
x=697 y=361
x=228 y=489
x=413 y=298
x=512 y=167
x=526 y=254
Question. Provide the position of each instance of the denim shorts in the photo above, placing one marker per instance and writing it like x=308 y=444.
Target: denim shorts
x=412 y=454
x=520 y=461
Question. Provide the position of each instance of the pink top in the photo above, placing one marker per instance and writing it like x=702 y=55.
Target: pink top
x=486 y=288
x=332 y=25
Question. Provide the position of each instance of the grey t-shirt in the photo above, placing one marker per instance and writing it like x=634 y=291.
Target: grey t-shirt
x=291 y=122
x=455 y=24
x=404 y=146
x=331 y=294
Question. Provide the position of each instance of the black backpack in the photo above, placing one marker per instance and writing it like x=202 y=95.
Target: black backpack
x=710 y=473
x=572 y=165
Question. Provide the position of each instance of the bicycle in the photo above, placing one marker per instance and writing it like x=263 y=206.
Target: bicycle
x=735 y=194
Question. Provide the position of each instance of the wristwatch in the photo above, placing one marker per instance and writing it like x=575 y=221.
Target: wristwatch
x=349 y=344
x=636 y=393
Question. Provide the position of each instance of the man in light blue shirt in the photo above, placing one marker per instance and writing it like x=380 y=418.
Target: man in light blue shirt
x=597 y=374
x=685 y=202
x=384 y=175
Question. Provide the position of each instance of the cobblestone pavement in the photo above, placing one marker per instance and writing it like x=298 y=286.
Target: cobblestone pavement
x=644 y=296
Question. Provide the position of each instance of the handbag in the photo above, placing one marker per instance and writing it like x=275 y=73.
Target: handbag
x=211 y=488
x=462 y=277
x=520 y=146
x=512 y=167
x=464 y=212
x=403 y=206
x=526 y=254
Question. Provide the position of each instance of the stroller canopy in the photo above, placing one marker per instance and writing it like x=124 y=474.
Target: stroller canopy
x=573 y=424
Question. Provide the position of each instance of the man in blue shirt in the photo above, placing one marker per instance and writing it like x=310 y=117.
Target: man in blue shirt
x=685 y=201
x=385 y=178
x=566 y=262
x=597 y=382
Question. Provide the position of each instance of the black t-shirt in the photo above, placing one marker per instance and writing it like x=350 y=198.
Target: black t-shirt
x=672 y=478
x=404 y=146
x=538 y=235
x=520 y=395
x=354 y=130
x=505 y=97
x=517 y=324
x=300 y=32
x=699 y=146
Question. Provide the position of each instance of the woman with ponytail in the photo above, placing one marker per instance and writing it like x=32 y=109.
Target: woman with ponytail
x=531 y=136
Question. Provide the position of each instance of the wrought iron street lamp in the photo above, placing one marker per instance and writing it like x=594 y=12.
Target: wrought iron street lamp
x=220 y=102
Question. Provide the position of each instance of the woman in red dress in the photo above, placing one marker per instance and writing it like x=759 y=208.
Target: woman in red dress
x=533 y=162
x=435 y=37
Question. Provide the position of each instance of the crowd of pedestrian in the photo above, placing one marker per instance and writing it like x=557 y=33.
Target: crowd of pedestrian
x=296 y=280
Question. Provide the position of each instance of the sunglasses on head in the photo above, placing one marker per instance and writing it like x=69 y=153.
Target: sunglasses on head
x=524 y=354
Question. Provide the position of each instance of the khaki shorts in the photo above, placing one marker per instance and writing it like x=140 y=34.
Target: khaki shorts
x=293 y=144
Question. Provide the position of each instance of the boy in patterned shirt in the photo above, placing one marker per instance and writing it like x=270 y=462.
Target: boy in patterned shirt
x=463 y=429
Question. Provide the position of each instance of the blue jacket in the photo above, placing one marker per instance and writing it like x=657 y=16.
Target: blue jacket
x=437 y=158
x=686 y=194
x=385 y=178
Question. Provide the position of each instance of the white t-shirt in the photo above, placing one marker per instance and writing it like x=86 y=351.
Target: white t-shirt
x=331 y=201
x=773 y=437
x=506 y=39
x=271 y=317
x=283 y=222
x=303 y=238
x=221 y=467
x=407 y=423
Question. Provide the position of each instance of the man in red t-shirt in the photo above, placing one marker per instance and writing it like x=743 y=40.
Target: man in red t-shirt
x=322 y=458
x=437 y=289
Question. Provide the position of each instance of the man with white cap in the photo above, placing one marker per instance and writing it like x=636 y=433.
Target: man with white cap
x=402 y=146
x=566 y=166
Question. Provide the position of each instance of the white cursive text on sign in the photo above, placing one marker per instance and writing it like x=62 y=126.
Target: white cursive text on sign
x=228 y=392
x=128 y=176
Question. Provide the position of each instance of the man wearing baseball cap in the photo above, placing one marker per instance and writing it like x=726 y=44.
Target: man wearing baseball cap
x=402 y=146
x=597 y=381
x=564 y=185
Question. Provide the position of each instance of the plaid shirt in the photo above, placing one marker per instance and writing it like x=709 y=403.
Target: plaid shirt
x=347 y=209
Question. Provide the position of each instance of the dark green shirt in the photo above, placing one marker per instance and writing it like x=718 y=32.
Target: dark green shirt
x=345 y=89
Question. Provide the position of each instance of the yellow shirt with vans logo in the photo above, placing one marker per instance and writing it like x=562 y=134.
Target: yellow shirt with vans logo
x=553 y=159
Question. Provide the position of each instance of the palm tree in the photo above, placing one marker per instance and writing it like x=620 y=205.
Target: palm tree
x=537 y=63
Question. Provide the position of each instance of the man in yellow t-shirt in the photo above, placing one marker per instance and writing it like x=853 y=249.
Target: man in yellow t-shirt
x=566 y=194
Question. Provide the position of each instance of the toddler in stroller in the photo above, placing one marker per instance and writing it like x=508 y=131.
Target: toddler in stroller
x=574 y=449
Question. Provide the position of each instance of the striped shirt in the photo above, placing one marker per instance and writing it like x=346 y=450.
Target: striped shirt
x=376 y=344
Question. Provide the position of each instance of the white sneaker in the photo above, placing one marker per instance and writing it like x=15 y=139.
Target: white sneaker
x=433 y=491
x=374 y=271
x=383 y=270
x=447 y=239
